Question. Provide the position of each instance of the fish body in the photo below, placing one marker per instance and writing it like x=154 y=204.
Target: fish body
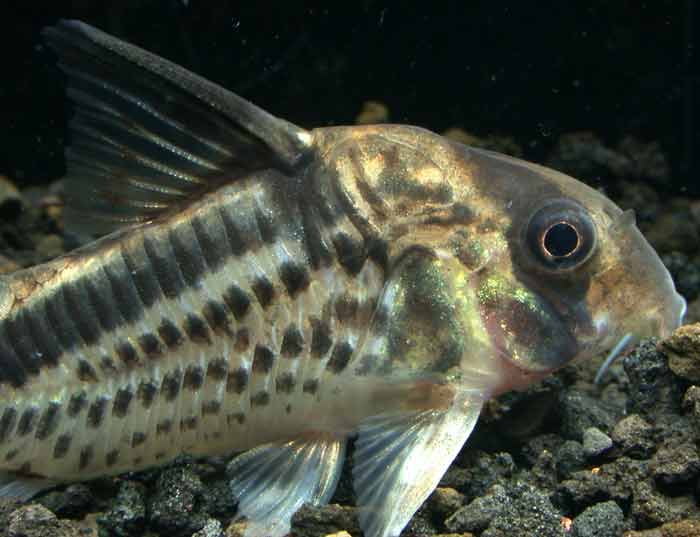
x=265 y=289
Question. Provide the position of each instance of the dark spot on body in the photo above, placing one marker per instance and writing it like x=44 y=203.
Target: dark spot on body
x=379 y=253
x=77 y=403
x=127 y=354
x=164 y=427
x=237 y=417
x=137 y=439
x=27 y=421
x=25 y=469
x=263 y=359
x=189 y=423
x=340 y=357
x=346 y=307
x=242 y=340
x=49 y=421
x=170 y=334
x=86 y=373
x=292 y=342
x=320 y=339
x=62 y=445
x=108 y=365
x=146 y=393
x=294 y=277
x=264 y=291
x=310 y=386
x=217 y=369
x=237 y=301
x=237 y=380
x=217 y=317
x=171 y=385
x=7 y=423
x=96 y=412
x=266 y=226
x=11 y=455
x=260 y=399
x=211 y=407
x=288 y=408
x=194 y=378
x=285 y=383
x=160 y=455
x=150 y=346
x=122 y=400
x=351 y=253
x=196 y=330
x=86 y=456
x=112 y=457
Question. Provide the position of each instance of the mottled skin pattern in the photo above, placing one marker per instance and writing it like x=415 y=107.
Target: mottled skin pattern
x=380 y=281
x=219 y=336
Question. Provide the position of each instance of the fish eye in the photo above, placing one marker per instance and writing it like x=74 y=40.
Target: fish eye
x=561 y=235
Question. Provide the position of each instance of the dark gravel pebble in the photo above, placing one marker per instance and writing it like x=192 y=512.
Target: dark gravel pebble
x=653 y=389
x=633 y=436
x=35 y=520
x=68 y=503
x=601 y=520
x=175 y=506
x=314 y=521
x=675 y=464
x=127 y=515
x=580 y=411
x=481 y=470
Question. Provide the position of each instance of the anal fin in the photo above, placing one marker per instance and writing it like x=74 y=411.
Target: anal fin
x=274 y=480
x=23 y=488
x=400 y=458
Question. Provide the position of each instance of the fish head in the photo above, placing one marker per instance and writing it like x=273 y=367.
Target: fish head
x=541 y=269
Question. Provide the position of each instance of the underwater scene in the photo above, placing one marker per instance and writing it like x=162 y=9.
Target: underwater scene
x=369 y=269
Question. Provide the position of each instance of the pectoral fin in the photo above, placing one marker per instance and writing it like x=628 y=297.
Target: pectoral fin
x=399 y=460
x=22 y=487
x=272 y=481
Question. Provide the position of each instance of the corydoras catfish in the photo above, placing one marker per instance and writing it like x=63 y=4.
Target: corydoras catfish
x=259 y=288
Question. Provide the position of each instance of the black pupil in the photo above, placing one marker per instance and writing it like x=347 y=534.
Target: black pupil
x=560 y=240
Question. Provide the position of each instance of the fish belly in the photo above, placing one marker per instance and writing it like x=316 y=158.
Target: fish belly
x=215 y=330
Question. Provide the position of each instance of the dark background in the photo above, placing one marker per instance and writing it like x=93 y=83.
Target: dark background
x=530 y=70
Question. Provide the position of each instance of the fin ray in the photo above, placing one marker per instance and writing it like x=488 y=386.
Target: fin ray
x=399 y=460
x=140 y=118
x=272 y=481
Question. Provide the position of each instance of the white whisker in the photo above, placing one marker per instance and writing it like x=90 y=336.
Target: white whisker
x=614 y=353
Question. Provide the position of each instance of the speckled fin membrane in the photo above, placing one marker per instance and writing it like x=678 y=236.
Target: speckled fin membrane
x=147 y=134
x=399 y=460
x=273 y=481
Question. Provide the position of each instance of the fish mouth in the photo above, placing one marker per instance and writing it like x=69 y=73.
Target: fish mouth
x=659 y=322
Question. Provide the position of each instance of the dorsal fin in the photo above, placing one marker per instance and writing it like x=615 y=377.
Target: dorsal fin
x=148 y=134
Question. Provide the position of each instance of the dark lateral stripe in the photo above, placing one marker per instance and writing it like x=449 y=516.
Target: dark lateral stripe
x=49 y=421
x=7 y=423
x=318 y=251
x=20 y=342
x=266 y=225
x=352 y=254
x=105 y=309
x=59 y=322
x=123 y=290
x=78 y=307
x=46 y=342
x=212 y=240
x=233 y=233
x=145 y=281
x=166 y=270
x=188 y=255
x=10 y=368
